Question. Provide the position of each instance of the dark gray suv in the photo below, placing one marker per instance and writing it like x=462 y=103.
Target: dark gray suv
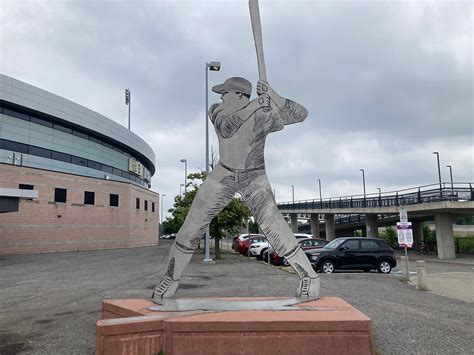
x=351 y=253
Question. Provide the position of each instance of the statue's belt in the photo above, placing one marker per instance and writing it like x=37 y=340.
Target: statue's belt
x=237 y=172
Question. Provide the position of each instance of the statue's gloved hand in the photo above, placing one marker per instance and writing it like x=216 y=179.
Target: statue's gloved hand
x=264 y=101
x=264 y=88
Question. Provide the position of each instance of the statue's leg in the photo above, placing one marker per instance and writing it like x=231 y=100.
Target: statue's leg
x=212 y=196
x=257 y=194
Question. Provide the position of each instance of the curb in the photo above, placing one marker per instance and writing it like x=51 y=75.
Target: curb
x=450 y=261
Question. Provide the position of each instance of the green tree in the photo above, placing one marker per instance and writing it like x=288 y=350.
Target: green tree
x=390 y=236
x=181 y=205
x=229 y=220
x=254 y=227
x=429 y=235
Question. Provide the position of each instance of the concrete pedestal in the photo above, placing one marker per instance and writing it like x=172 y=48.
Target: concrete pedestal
x=327 y=326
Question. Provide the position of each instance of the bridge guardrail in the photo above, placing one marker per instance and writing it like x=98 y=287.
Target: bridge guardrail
x=422 y=194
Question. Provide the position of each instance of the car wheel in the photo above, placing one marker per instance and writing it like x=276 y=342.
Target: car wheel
x=327 y=267
x=247 y=253
x=263 y=254
x=384 y=267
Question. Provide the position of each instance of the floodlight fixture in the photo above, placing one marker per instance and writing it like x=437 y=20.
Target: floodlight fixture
x=214 y=66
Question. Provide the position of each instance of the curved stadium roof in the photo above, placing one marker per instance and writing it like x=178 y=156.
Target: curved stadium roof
x=35 y=99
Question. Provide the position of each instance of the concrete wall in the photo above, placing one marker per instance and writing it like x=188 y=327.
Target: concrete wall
x=42 y=225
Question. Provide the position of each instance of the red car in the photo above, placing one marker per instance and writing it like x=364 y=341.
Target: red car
x=241 y=242
x=305 y=244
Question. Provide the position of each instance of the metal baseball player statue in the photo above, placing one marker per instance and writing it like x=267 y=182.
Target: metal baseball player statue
x=242 y=126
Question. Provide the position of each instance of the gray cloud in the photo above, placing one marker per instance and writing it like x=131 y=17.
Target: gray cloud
x=386 y=83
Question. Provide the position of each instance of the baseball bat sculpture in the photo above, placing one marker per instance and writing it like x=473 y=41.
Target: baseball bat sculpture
x=257 y=36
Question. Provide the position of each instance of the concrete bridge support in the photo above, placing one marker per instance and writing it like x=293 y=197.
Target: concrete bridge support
x=294 y=222
x=444 y=236
x=417 y=233
x=371 y=226
x=315 y=230
x=330 y=226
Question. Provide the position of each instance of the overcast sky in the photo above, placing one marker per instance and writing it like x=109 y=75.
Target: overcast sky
x=386 y=83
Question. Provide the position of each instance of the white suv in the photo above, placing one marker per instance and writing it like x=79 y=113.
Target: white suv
x=257 y=249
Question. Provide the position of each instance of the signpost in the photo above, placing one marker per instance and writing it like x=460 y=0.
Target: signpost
x=405 y=234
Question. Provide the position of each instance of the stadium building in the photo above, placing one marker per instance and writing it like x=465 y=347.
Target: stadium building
x=70 y=178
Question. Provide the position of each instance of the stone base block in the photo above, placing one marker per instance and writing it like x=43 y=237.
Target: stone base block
x=335 y=327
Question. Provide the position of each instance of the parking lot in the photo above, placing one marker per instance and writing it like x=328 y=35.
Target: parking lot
x=50 y=302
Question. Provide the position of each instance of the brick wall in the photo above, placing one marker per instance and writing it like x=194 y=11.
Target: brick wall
x=42 y=225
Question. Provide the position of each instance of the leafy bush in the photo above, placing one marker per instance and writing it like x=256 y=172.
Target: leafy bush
x=390 y=236
x=429 y=235
x=465 y=244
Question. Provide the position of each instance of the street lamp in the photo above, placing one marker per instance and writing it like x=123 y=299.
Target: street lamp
x=363 y=182
x=320 y=195
x=212 y=66
x=451 y=176
x=380 y=191
x=293 y=192
x=180 y=186
x=128 y=102
x=162 y=196
x=185 y=172
x=439 y=174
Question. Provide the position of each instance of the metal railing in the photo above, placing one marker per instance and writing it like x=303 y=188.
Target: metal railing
x=460 y=191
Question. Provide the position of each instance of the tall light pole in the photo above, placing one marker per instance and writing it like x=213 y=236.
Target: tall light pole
x=439 y=174
x=185 y=172
x=380 y=191
x=320 y=195
x=180 y=186
x=293 y=192
x=161 y=224
x=212 y=66
x=128 y=101
x=363 y=181
x=451 y=176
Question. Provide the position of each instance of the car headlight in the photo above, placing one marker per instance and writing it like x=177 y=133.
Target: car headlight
x=253 y=246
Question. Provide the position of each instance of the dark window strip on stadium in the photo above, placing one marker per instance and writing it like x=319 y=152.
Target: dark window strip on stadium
x=26 y=187
x=67 y=158
x=60 y=128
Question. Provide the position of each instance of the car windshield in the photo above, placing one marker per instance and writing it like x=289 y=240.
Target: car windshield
x=334 y=244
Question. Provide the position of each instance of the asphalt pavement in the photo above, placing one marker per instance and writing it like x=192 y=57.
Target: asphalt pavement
x=51 y=302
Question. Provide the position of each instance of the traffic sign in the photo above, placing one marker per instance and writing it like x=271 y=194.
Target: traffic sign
x=405 y=234
x=403 y=216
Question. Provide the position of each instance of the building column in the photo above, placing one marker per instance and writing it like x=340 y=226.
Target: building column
x=294 y=222
x=330 y=226
x=371 y=226
x=417 y=228
x=444 y=236
x=315 y=231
